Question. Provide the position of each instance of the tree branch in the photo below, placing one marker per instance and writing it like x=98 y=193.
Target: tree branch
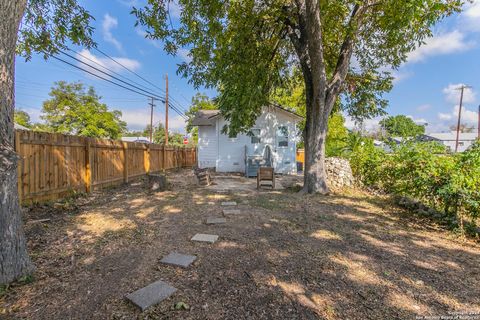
x=346 y=51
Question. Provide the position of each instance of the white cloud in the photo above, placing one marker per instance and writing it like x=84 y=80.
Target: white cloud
x=184 y=54
x=132 y=3
x=89 y=58
x=452 y=94
x=442 y=44
x=444 y=116
x=471 y=16
x=399 y=76
x=423 y=107
x=370 y=125
x=467 y=116
x=138 y=120
x=108 y=24
x=418 y=121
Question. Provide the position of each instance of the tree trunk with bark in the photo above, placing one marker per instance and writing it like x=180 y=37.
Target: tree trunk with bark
x=321 y=93
x=14 y=260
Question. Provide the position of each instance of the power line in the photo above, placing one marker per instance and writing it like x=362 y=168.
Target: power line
x=112 y=71
x=128 y=69
x=135 y=73
x=106 y=73
x=161 y=98
x=100 y=77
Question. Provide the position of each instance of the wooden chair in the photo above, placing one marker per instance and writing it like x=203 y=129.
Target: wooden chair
x=265 y=174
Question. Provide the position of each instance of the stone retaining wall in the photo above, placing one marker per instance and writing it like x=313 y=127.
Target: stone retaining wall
x=339 y=173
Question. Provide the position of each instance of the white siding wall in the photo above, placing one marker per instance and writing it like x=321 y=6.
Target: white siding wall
x=207 y=146
x=231 y=152
x=462 y=144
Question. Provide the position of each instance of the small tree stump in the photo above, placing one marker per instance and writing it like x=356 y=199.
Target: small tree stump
x=157 y=182
x=203 y=176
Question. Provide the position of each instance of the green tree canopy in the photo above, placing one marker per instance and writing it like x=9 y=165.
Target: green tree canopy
x=22 y=118
x=73 y=109
x=199 y=102
x=245 y=48
x=401 y=126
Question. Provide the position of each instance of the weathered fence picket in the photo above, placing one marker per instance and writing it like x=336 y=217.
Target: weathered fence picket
x=54 y=165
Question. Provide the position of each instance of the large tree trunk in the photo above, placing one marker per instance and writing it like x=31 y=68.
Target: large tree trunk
x=315 y=179
x=14 y=260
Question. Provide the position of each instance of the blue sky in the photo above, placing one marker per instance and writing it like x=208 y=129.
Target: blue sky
x=424 y=86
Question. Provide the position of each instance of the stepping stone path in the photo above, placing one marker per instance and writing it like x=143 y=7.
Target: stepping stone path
x=151 y=294
x=216 y=220
x=200 y=237
x=160 y=290
x=231 y=212
x=178 y=259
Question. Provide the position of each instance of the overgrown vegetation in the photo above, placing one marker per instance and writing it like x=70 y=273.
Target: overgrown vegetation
x=446 y=183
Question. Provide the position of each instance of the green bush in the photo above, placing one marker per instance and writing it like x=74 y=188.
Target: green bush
x=423 y=171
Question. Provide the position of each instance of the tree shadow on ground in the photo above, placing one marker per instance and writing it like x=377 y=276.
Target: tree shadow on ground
x=285 y=257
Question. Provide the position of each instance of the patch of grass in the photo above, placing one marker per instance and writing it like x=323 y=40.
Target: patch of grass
x=4 y=289
x=29 y=278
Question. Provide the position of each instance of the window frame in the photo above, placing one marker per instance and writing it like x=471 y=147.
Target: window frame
x=254 y=136
x=278 y=135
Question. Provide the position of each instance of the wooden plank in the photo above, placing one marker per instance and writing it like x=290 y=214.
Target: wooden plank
x=19 y=166
x=88 y=166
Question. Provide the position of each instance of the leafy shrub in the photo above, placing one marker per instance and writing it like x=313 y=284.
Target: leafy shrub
x=365 y=159
x=424 y=171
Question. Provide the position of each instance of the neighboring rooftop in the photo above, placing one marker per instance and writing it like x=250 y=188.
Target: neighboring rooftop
x=20 y=127
x=135 y=139
x=452 y=136
x=204 y=117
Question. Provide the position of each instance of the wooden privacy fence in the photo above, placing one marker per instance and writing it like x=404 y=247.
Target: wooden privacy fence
x=53 y=165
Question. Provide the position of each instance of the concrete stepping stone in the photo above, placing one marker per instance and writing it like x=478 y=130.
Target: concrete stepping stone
x=200 y=237
x=152 y=294
x=231 y=212
x=216 y=220
x=229 y=203
x=178 y=259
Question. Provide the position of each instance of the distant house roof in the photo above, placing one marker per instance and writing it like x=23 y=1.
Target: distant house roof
x=135 y=139
x=206 y=117
x=20 y=127
x=450 y=136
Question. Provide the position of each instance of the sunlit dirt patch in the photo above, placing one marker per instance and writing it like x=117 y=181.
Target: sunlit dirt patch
x=297 y=292
x=356 y=271
x=99 y=223
x=407 y=302
x=144 y=213
x=230 y=244
x=171 y=209
x=325 y=235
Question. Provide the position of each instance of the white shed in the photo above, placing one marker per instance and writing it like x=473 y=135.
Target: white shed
x=276 y=127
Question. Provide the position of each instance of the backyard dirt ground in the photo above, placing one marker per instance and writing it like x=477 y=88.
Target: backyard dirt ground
x=350 y=255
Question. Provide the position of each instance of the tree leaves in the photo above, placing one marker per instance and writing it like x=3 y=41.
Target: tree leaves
x=48 y=24
x=72 y=110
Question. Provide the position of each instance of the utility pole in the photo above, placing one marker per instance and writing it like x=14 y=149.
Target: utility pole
x=151 y=119
x=462 y=88
x=166 y=110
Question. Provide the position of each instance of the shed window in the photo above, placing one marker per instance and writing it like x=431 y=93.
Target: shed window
x=282 y=136
x=255 y=136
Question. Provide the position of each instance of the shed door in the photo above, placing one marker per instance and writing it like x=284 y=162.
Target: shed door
x=207 y=146
x=283 y=147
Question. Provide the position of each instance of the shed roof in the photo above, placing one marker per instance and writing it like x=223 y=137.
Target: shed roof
x=205 y=117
